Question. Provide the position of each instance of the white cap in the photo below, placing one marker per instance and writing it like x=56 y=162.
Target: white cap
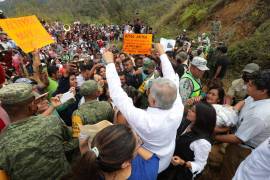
x=200 y=63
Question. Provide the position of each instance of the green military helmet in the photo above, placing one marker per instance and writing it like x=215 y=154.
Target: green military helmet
x=15 y=93
x=88 y=88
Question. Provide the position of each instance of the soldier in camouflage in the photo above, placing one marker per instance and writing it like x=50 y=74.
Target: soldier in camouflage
x=92 y=111
x=216 y=28
x=32 y=147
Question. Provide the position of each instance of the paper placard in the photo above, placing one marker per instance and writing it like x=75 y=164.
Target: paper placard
x=137 y=43
x=27 y=32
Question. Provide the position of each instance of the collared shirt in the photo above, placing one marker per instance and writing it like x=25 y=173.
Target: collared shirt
x=254 y=122
x=256 y=165
x=156 y=127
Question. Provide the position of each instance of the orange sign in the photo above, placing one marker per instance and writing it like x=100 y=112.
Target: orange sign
x=27 y=32
x=137 y=43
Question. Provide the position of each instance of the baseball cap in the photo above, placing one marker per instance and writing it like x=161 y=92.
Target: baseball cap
x=15 y=93
x=200 y=63
x=148 y=63
x=91 y=130
x=251 y=67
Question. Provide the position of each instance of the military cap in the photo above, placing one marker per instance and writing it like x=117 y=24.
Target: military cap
x=88 y=88
x=15 y=93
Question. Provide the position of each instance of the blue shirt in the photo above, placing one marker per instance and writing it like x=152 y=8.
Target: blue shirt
x=144 y=169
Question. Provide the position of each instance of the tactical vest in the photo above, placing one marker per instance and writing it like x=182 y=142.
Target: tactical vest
x=197 y=89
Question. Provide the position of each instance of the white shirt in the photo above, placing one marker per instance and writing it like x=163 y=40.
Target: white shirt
x=254 y=122
x=257 y=165
x=201 y=149
x=80 y=80
x=156 y=127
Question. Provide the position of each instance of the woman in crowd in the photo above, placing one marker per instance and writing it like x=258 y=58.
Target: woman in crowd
x=193 y=146
x=66 y=84
x=215 y=95
x=111 y=156
x=100 y=77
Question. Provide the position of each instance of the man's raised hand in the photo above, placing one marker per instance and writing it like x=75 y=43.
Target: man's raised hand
x=108 y=57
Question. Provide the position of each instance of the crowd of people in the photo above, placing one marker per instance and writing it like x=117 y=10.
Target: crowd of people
x=83 y=109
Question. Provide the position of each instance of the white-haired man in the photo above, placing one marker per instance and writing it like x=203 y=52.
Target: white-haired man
x=157 y=125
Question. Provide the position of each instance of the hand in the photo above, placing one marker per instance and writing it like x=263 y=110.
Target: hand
x=176 y=160
x=73 y=90
x=108 y=57
x=98 y=65
x=159 y=48
x=138 y=72
x=55 y=102
x=35 y=52
x=197 y=99
x=189 y=102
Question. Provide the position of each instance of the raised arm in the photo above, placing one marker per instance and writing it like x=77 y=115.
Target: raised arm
x=167 y=69
x=133 y=115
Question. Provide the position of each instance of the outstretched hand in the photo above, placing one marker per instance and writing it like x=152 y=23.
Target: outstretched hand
x=55 y=101
x=108 y=57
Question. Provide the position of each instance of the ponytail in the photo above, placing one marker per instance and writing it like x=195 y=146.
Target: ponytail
x=87 y=163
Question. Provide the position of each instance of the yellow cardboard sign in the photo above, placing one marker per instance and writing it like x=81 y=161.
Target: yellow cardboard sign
x=27 y=32
x=137 y=43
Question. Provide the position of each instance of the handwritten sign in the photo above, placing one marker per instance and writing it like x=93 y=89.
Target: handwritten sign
x=137 y=43
x=27 y=32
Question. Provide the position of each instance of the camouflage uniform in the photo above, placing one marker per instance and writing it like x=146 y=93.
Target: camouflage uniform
x=34 y=147
x=91 y=112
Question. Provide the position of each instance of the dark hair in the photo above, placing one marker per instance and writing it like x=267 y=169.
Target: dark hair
x=121 y=74
x=221 y=94
x=99 y=68
x=222 y=49
x=205 y=119
x=126 y=60
x=116 y=144
x=52 y=70
x=261 y=79
x=214 y=84
x=86 y=67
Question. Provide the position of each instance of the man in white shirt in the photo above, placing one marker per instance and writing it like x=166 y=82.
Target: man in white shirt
x=157 y=125
x=253 y=126
x=254 y=119
x=256 y=165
